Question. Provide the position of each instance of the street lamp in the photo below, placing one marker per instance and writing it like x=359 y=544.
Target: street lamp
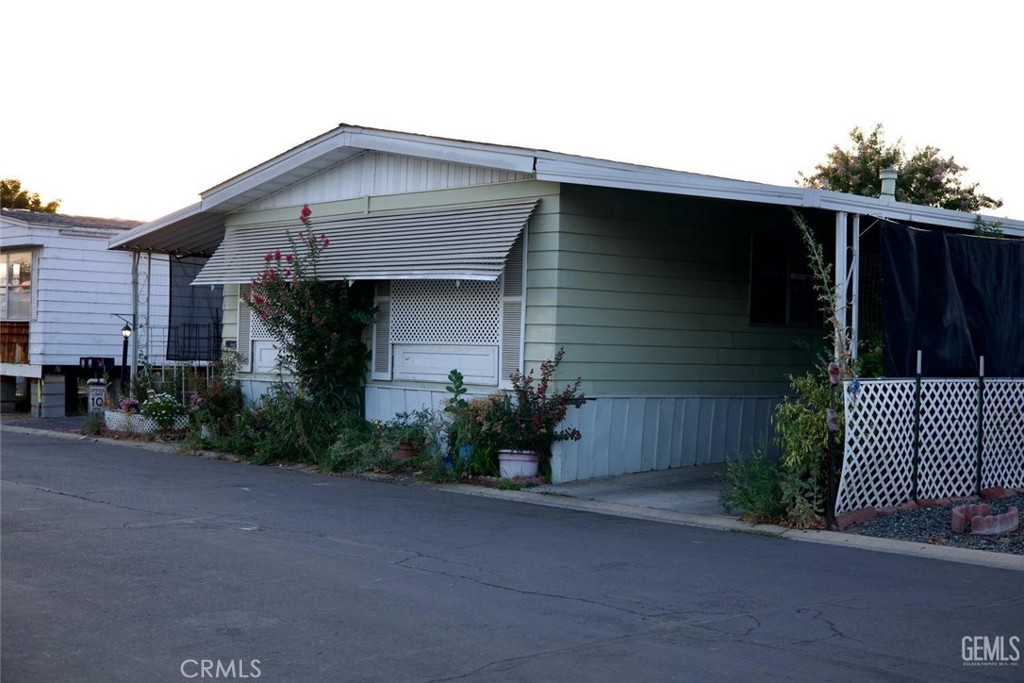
x=126 y=333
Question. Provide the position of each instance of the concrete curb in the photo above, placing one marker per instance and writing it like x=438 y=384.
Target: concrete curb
x=723 y=523
x=715 y=522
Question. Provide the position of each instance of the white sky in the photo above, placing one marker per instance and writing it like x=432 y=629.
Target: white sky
x=131 y=109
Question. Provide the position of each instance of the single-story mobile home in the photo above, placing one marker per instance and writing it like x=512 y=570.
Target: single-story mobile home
x=680 y=299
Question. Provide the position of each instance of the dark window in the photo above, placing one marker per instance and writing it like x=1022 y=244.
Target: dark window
x=781 y=284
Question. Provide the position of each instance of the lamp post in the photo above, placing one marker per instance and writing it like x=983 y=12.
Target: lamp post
x=126 y=333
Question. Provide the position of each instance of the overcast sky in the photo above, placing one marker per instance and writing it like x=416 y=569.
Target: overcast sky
x=131 y=109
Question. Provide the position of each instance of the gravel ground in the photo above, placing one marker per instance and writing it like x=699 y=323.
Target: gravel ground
x=932 y=525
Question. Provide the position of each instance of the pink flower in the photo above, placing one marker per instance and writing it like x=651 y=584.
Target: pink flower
x=268 y=257
x=306 y=212
x=289 y=258
x=326 y=242
x=277 y=255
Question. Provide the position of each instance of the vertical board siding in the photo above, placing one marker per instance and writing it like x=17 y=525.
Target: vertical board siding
x=626 y=434
x=379 y=173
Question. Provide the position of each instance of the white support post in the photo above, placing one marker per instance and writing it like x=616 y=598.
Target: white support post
x=855 y=293
x=840 y=282
x=135 y=321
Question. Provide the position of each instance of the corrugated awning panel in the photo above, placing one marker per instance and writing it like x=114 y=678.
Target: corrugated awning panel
x=468 y=242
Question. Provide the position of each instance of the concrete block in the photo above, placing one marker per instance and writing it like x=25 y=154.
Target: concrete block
x=996 y=524
x=963 y=513
x=855 y=517
x=993 y=493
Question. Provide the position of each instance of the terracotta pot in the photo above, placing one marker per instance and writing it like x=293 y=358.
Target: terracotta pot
x=405 y=451
x=518 y=463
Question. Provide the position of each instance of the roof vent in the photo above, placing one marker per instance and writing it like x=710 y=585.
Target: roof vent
x=888 y=176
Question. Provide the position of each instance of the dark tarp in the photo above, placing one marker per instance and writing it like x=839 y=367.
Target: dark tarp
x=194 y=330
x=954 y=297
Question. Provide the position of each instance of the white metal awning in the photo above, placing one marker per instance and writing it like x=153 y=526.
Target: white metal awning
x=465 y=242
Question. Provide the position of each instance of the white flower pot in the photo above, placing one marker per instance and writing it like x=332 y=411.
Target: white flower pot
x=518 y=463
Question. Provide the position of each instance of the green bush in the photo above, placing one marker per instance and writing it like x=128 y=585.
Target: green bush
x=754 y=486
x=287 y=426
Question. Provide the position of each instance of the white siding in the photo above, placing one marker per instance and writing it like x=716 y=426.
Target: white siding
x=377 y=173
x=78 y=287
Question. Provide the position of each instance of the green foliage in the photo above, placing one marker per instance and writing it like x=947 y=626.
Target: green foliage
x=529 y=416
x=163 y=409
x=924 y=178
x=983 y=228
x=754 y=486
x=318 y=325
x=93 y=424
x=288 y=426
x=456 y=388
x=870 y=362
x=12 y=196
x=801 y=427
x=218 y=403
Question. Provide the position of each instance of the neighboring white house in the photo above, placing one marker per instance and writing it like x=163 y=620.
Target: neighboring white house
x=677 y=296
x=65 y=298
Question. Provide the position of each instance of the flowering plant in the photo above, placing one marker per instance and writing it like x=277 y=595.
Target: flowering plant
x=317 y=324
x=129 y=404
x=163 y=409
x=529 y=416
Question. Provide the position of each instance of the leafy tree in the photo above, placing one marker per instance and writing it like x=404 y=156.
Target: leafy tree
x=13 y=197
x=925 y=177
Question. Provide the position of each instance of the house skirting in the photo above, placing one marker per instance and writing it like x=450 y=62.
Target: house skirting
x=626 y=434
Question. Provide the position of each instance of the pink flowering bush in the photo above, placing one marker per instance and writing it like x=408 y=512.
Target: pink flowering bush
x=317 y=324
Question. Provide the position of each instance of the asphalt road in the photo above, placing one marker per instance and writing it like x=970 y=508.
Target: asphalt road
x=124 y=564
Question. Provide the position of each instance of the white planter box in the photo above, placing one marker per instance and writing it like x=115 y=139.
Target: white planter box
x=135 y=423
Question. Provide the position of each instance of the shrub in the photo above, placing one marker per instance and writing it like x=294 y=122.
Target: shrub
x=754 y=486
x=286 y=426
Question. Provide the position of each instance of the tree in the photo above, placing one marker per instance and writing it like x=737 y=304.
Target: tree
x=13 y=197
x=925 y=177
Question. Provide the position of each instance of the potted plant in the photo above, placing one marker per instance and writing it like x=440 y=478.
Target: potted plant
x=406 y=434
x=528 y=419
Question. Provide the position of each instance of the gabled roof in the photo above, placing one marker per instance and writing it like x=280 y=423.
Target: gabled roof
x=198 y=229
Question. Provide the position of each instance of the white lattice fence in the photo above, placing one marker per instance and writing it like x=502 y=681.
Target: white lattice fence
x=879 y=445
x=949 y=438
x=878 y=456
x=1003 y=430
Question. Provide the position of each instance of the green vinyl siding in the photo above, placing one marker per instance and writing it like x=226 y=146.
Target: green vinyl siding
x=649 y=295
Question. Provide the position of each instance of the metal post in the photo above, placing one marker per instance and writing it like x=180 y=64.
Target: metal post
x=981 y=423
x=916 y=462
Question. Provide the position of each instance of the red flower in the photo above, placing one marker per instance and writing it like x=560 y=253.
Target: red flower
x=289 y=258
x=326 y=242
x=268 y=257
x=305 y=213
x=277 y=255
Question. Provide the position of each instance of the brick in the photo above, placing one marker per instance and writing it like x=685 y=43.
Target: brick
x=855 y=517
x=886 y=511
x=963 y=513
x=993 y=493
x=909 y=505
x=928 y=502
x=996 y=524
